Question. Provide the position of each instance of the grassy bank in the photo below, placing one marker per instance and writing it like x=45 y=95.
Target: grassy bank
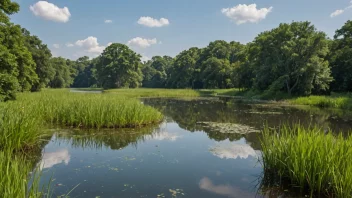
x=317 y=163
x=342 y=101
x=146 y=92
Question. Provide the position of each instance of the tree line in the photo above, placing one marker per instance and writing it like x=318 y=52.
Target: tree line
x=294 y=58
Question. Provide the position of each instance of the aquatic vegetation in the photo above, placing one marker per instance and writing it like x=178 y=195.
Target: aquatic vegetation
x=334 y=101
x=90 y=110
x=229 y=127
x=314 y=161
x=14 y=172
x=145 y=92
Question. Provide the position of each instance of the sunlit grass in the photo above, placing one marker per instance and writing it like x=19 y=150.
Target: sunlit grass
x=334 y=101
x=146 y=92
x=315 y=162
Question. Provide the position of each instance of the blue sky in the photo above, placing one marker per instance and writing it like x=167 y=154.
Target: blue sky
x=191 y=23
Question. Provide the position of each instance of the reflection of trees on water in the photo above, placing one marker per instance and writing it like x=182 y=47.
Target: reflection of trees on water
x=113 y=139
x=187 y=113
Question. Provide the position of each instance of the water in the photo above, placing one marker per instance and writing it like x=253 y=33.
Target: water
x=188 y=155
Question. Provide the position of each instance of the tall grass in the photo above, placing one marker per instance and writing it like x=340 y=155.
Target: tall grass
x=14 y=174
x=339 y=101
x=147 y=92
x=91 y=110
x=315 y=162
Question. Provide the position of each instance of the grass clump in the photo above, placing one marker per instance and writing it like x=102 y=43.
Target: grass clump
x=20 y=126
x=334 y=101
x=91 y=110
x=317 y=163
x=14 y=173
x=147 y=93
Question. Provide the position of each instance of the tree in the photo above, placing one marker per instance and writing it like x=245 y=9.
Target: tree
x=157 y=71
x=62 y=77
x=182 y=74
x=340 y=58
x=17 y=68
x=118 y=66
x=7 y=8
x=84 y=77
x=41 y=56
x=291 y=57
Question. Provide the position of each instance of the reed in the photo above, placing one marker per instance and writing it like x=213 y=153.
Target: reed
x=338 y=101
x=316 y=162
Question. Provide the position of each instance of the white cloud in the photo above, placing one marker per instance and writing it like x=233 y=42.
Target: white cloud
x=91 y=45
x=109 y=44
x=340 y=11
x=57 y=46
x=51 y=159
x=108 y=21
x=50 y=12
x=142 y=42
x=151 y=22
x=336 y=13
x=69 y=45
x=233 y=151
x=243 y=13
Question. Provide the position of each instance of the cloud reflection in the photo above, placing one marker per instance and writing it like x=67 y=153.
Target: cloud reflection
x=164 y=136
x=233 y=151
x=223 y=189
x=53 y=158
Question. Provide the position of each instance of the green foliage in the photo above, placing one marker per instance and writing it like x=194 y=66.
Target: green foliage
x=340 y=58
x=309 y=159
x=41 y=56
x=157 y=71
x=62 y=77
x=183 y=72
x=84 y=68
x=118 y=66
x=294 y=53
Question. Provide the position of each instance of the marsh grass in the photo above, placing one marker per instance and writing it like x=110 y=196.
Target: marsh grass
x=146 y=92
x=91 y=110
x=343 y=101
x=315 y=162
x=14 y=174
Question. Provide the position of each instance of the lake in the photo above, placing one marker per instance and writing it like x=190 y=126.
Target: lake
x=206 y=147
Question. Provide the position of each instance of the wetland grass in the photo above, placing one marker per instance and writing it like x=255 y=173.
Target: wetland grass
x=92 y=110
x=149 y=92
x=310 y=160
x=342 y=101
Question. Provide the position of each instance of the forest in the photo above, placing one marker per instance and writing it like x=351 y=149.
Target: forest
x=294 y=59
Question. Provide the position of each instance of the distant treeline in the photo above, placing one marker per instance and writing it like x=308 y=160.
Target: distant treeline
x=293 y=58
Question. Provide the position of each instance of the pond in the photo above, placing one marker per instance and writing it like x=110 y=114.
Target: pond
x=205 y=148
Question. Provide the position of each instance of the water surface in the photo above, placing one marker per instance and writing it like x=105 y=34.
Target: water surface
x=205 y=148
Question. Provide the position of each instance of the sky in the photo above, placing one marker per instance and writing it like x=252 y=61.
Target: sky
x=76 y=28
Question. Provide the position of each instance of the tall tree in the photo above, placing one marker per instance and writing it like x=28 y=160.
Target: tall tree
x=157 y=71
x=63 y=76
x=291 y=58
x=118 y=66
x=182 y=74
x=84 y=77
x=41 y=56
x=340 y=58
